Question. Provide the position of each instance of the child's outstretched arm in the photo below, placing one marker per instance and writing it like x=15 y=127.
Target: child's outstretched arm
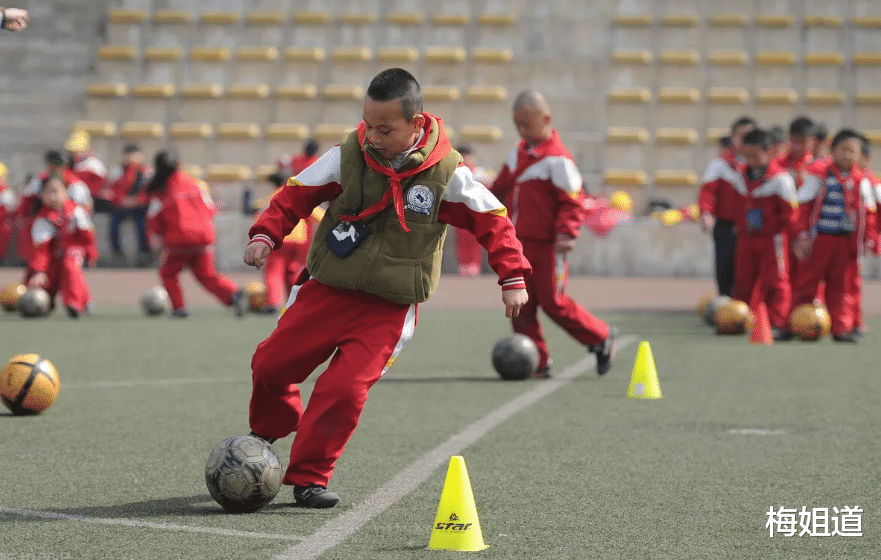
x=469 y=205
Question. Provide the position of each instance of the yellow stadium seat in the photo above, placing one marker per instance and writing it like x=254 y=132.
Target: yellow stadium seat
x=200 y=101
x=362 y=18
x=342 y=92
x=193 y=141
x=625 y=177
x=151 y=102
x=398 y=54
x=727 y=58
x=441 y=93
x=128 y=17
x=822 y=21
x=676 y=136
x=481 y=134
x=675 y=178
x=124 y=27
x=497 y=20
x=97 y=129
x=630 y=95
x=150 y=136
x=731 y=96
x=107 y=89
x=219 y=18
x=775 y=69
x=637 y=20
x=265 y=18
x=486 y=93
x=627 y=135
x=444 y=55
x=776 y=96
x=172 y=17
x=451 y=19
x=641 y=56
x=287 y=132
x=351 y=54
x=680 y=20
x=332 y=132
x=727 y=20
x=313 y=18
x=228 y=182
x=405 y=18
x=225 y=172
x=776 y=21
x=191 y=130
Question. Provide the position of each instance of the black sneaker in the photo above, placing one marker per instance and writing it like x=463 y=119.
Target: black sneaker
x=238 y=302
x=268 y=310
x=780 y=335
x=846 y=337
x=605 y=352
x=315 y=496
x=543 y=372
x=858 y=332
x=269 y=440
x=180 y=314
x=72 y=312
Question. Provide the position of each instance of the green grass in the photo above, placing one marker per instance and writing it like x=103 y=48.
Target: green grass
x=582 y=473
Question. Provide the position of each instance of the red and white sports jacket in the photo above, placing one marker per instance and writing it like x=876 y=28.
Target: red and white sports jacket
x=765 y=206
x=128 y=180
x=57 y=234
x=541 y=187
x=182 y=215
x=717 y=196
x=77 y=191
x=92 y=172
x=466 y=204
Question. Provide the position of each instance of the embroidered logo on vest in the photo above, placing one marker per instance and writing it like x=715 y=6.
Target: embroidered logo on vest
x=420 y=199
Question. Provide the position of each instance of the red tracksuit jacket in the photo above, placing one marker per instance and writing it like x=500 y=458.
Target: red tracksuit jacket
x=92 y=172
x=55 y=233
x=128 y=180
x=182 y=215
x=765 y=206
x=541 y=187
x=716 y=195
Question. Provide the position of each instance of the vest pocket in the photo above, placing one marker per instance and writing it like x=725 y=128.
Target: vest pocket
x=397 y=280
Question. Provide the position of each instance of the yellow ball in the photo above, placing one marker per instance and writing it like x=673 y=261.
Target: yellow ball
x=9 y=295
x=620 y=200
x=28 y=384
x=256 y=295
x=734 y=317
x=703 y=301
x=810 y=322
x=671 y=217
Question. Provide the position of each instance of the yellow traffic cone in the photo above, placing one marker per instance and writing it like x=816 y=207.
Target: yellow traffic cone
x=644 y=380
x=456 y=526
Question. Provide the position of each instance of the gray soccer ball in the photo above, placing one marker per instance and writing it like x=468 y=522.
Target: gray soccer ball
x=155 y=301
x=712 y=306
x=515 y=357
x=35 y=302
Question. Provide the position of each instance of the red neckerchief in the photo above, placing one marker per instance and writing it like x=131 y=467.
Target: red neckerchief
x=394 y=192
x=730 y=157
x=772 y=169
x=797 y=167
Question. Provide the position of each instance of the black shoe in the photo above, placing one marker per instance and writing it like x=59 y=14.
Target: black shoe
x=72 y=312
x=543 y=372
x=180 y=314
x=605 y=352
x=269 y=440
x=269 y=310
x=780 y=335
x=846 y=337
x=238 y=302
x=315 y=496
x=858 y=332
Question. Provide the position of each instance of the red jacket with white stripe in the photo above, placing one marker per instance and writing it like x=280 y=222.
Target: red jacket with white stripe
x=92 y=172
x=541 y=187
x=717 y=196
x=765 y=205
x=466 y=204
x=182 y=215
x=55 y=234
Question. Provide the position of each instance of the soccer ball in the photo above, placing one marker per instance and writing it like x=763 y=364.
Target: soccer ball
x=711 y=307
x=515 y=357
x=256 y=292
x=28 y=384
x=10 y=294
x=243 y=474
x=155 y=301
x=703 y=302
x=734 y=317
x=810 y=322
x=34 y=302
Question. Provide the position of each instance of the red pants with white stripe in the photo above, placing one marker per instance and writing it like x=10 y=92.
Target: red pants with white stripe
x=200 y=259
x=363 y=333
x=855 y=285
x=761 y=274
x=66 y=279
x=280 y=272
x=833 y=260
x=546 y=288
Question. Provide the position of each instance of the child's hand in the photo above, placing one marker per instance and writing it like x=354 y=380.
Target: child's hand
x=38 y=280
x=514 y=300
x=801 y=246
x=564 y=244
x=255 y=252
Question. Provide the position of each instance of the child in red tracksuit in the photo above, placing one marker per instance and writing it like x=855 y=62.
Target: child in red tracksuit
x=393 y=186
x=64 y=241
x=541 y=186
x=182 y=216
x=855 y=280
x=836 y=221
x=765 y=212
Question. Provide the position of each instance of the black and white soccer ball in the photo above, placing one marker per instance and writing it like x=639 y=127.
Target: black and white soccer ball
x=35 y=302
x=155 y=301
x=515 y=357
x=243 y=474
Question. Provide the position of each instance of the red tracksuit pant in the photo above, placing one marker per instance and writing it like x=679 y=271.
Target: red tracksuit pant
x=761 y=274
x=66 y=279
x=201 y=262
x=363 y=333
x=281 y=270
x=833 y=260
x=855 y=285
x=546 y=289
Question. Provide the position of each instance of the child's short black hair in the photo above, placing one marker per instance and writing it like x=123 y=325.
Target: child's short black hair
x=464 y=149
x=397 y=83
x=311 y=147
x=54 y=157
x=131 y=149
x=820 y=132
x=758 y=137
x=743 y=121
x=725 y=142
x=801 y=126
x=845 y=134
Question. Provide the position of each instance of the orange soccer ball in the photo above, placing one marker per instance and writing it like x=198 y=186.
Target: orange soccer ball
x=810 y=322
x=734 y=317
x=256 y=292
x=9 y=295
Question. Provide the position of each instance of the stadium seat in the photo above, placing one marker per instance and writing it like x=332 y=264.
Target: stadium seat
x=163 y=65
x=626 y=146
x=341 y=103
x=150 y=136
x=256 y=65
x=724 y=104
x=302 y=65
x=441 y=100
x=866 y=71
x=106 y=100
x=151 y=102
x=624 y=177
x=631 y=68
x=775 y=32
x=822 y=69
x=485 y=104
x=679 y=32
x=239 y=143
x=728 y=68
x=448 y=28
x=209 y=64
x=676 y=148
x=632 y=32
x=248 y=102
x=402 y=29
x=172 y=28
x=117 y=63
x=443 y=65
x=124 y=27
x=727 y=30
x=679 y=106
x=867 y=109
x=400 y=57
x=193 y=141
x=822 y=32
x=775 y=105
x=312 y=30
x=679 y=68
x=296 y=103
x=103 y=135
x=827 y=106
x=629 y=106
x=479 y=134
x=775 y=69
x=228 y=182
x=676 y=186
x=498 y=30
x=220 y=29
x=266 y=28
x=200 y=102
x=283 y=138
x=351 y=65
x=331 y=134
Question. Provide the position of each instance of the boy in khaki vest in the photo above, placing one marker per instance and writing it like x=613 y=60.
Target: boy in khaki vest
x=393 y=186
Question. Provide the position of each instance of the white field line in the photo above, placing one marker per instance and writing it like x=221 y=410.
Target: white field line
x=342 y=527
x=145 y=524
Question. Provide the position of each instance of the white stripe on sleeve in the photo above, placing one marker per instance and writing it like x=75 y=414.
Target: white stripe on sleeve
x=324 y=171
x=465 y=189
